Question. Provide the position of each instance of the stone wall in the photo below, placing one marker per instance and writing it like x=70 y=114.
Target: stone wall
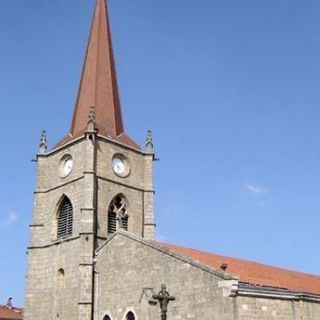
x=128 y=269
x=53 y=279
x=137 y=187
x=128 y=266
x=47 y=294
x=280 y=309
x=90 y=186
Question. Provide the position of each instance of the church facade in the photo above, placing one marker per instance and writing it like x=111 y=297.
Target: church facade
x=92 y=252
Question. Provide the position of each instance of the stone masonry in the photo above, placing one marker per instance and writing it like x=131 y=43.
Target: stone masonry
x=128 y=268
x=98 y=272
x=91 y=186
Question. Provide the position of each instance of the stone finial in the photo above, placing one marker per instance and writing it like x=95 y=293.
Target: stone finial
x=9 y=303
x=149 y=143
x=43 y=143
x=91 y=120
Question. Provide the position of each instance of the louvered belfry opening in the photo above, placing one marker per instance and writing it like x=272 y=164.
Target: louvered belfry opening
x=65 y=218
x=112 y=222
x=117 y=214
x=124 y=222
x=130 y=316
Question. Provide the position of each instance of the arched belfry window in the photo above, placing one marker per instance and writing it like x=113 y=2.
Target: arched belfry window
x=130 y=316
x=106 y=318
x=118 y=214
x=65 y=218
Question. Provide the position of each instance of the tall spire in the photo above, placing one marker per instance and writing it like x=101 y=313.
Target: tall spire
x=98 y=86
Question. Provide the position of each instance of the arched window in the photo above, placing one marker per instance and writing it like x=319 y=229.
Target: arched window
x=130 y=316
x=61 y=277
x=106 y=318
x=117 y=214
x=65 y=218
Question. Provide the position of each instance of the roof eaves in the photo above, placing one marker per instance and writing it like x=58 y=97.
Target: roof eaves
x=247 y=289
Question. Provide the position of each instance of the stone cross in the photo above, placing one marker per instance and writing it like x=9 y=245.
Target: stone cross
x=164 y=298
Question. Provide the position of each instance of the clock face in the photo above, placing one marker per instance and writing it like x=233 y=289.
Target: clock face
x=120 y=165
x=67 y=167
x=66 y=164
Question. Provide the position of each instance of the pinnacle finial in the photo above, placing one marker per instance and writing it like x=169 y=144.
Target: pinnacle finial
x=43 y=143
x=149 y=143
x=91 y=120
x=9 y=303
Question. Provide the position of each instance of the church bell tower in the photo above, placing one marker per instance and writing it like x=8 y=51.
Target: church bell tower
x=93 y=182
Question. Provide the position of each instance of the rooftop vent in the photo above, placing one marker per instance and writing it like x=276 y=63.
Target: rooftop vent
x=224 y=267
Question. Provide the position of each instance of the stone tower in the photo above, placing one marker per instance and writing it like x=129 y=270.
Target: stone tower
x=95 y=181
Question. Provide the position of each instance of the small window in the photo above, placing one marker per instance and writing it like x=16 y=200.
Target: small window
x=106 y=318
x=130 y=316
x=61 y=277
x=65 y=218
x=117 y=214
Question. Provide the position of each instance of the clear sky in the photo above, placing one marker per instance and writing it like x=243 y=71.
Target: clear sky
x=231 y=91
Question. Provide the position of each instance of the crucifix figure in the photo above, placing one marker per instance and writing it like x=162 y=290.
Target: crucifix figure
x=164 y=298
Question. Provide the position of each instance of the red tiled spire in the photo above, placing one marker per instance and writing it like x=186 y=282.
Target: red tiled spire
x=98 y=86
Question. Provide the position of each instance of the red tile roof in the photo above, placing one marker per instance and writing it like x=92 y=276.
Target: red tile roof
x=98 y=85
x=123 y=139
x=10 y=313
x=254 y=273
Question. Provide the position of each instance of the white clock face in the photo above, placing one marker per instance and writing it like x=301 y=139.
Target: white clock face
x=67 y=167
x=118 y=166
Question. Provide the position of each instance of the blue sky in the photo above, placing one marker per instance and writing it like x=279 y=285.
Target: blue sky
x=231 y=91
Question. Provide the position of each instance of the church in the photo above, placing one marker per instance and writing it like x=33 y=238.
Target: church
x=92 y=253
